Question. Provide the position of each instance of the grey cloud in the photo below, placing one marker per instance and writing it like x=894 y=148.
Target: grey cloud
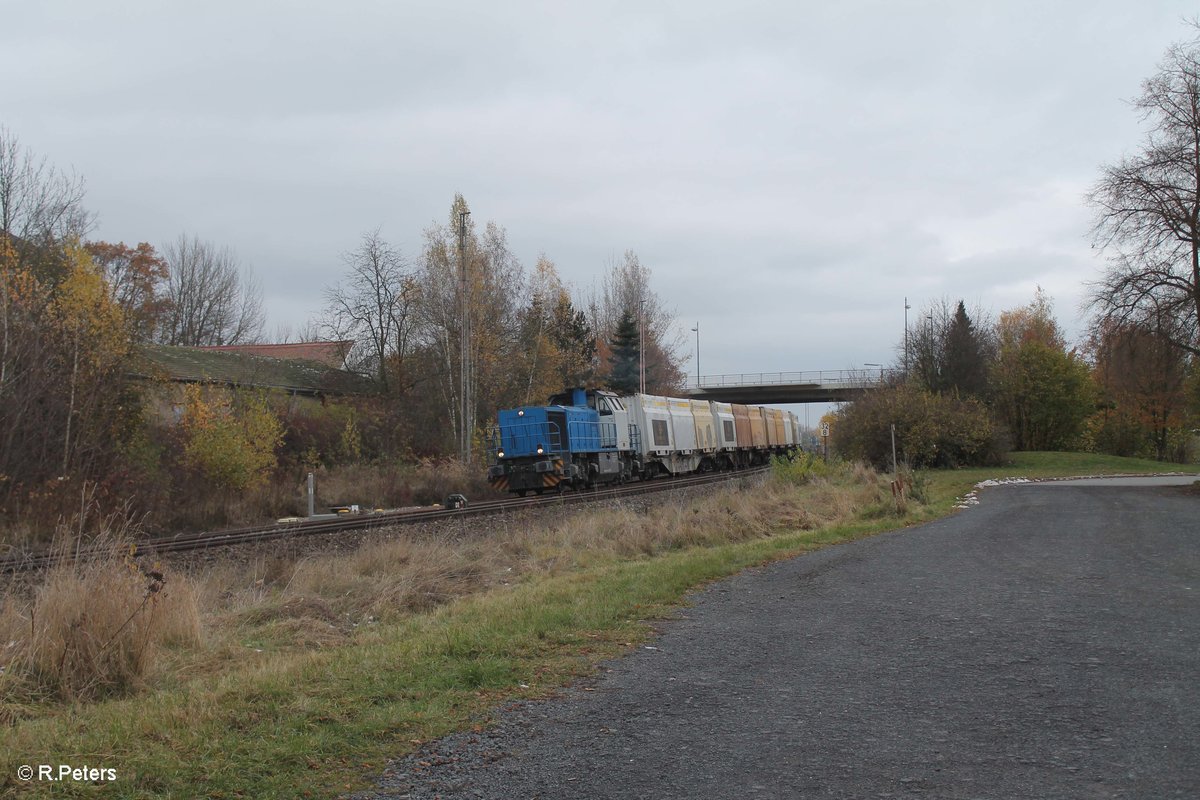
x=833 y=157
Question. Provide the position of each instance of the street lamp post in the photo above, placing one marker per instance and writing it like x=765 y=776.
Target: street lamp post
x=696 y=330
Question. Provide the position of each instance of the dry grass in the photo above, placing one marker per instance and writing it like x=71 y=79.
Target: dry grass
x=93 y=628
x=406 y=575
x=398 y=485
x=721 y=518
x=96 y=629
x=18 y=535
x=386 y=579
x=187 y=503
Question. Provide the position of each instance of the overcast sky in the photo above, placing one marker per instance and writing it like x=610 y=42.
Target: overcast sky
x=789 y=171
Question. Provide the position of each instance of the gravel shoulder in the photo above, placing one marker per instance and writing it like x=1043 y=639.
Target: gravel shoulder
x=1044 y=643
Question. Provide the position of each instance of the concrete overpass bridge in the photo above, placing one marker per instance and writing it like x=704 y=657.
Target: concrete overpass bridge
x=826 y=386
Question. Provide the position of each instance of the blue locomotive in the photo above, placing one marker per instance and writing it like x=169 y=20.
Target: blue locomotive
x=584 y=437
x=581 y=438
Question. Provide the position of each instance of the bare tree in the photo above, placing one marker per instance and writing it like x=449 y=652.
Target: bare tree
x=1148 y=207
x=211 y=301
x=373 y=305
x=287 y=333
x=39 y=205
x=626 y=289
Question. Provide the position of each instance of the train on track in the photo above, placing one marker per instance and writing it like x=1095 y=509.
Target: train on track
x=586 y=437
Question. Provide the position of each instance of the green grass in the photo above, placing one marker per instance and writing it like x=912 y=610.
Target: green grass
x=316 y=724
x=945 y=485
x=1051 y=465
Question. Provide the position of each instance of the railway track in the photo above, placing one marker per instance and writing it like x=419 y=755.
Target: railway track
x=185 y=542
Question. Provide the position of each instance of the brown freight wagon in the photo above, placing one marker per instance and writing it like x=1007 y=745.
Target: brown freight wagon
x=758 y=428
x=776 y=432
x=741 y=425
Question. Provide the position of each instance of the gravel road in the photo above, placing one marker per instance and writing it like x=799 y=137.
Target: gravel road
x=1043 y=644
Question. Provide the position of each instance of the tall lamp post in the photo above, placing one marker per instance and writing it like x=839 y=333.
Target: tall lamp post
x=696 y=330
x=642 y=345
x=906 y=308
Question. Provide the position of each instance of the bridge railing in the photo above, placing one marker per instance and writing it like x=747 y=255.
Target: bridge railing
x=848 y=378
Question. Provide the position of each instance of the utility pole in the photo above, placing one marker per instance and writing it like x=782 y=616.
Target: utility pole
x=467 y=423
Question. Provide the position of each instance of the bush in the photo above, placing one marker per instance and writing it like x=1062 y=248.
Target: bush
x=233 y=449
x=800 y=469
x=1121 y=431
x=322 y=436
x=931 y=430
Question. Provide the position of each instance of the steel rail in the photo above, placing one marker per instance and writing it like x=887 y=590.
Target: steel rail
x=185 y=542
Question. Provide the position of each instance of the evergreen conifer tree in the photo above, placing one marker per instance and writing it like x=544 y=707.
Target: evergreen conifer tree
x=624 y=362
x=576 y=344
x=964 y=361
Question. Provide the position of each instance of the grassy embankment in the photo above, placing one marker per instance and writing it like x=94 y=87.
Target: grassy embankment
x=300 y=678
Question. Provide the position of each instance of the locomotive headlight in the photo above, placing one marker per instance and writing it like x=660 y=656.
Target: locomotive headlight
x=521 y=412
x=499 y=454
x=540 y=450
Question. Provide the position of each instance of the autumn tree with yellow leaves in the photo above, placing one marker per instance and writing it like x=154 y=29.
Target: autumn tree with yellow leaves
x=65 y=401
x=1041 y=389
x=556 y=346
x=495 y=284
